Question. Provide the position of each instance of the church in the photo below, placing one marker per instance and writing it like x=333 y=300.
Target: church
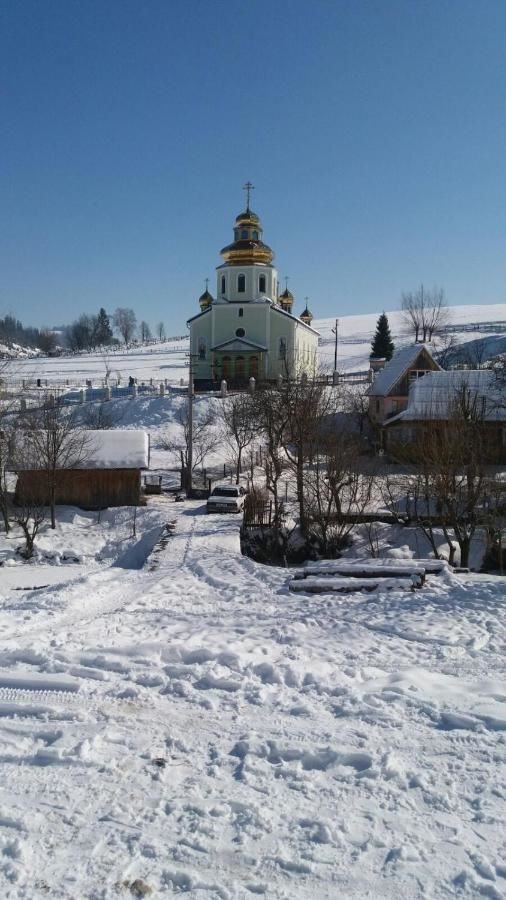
x=249 y=328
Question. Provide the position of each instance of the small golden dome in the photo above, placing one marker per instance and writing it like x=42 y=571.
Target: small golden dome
x=205 y=300
x=248 y=216
x=306 y=316
x=286 y=299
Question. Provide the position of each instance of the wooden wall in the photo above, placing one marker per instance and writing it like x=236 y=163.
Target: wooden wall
x=87 y=488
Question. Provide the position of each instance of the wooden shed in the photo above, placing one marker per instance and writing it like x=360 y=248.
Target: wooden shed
x=109 y=475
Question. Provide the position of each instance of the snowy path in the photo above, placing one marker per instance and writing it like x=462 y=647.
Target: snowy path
x=199 y=728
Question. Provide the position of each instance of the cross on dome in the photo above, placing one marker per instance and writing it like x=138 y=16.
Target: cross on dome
x=248 y=187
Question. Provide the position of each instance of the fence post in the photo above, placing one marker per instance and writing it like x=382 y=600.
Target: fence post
x=162 y=389
x=134 y=391
x=107 y=393
x=81 y=395
x=252 y=383
x=223 y=388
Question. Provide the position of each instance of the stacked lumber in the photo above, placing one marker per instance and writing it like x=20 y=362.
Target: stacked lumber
x=365 y=575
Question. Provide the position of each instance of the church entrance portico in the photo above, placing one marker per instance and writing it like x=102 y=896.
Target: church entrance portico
x=237 y=368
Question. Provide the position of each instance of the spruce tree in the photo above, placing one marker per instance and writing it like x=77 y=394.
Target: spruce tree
x=103 y=330
x=382 y=344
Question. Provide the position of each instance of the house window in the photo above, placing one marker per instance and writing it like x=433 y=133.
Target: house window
x=202 y=348
x=241 y=312
x=282 y=348
x=241 y=284
x=261 y=284
x=223 y=284
x=240 y=332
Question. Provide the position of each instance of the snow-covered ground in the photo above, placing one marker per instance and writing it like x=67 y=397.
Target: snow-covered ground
x=174 y=721
x=168 y=361
x=192 y=728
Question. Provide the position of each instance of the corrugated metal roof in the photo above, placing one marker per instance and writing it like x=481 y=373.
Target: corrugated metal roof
x=439 y=395
x=401 y=361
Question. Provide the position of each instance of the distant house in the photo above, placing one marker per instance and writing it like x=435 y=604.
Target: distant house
x=388 y=394
x=444 y=396
x=109 y=474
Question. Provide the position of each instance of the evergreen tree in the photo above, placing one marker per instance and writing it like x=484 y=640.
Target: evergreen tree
x=382 y=344
x=103 y=330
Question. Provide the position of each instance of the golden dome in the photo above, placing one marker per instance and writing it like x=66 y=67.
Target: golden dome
x=205 y=300
x=247 y=247
x=286 y=299
x=306 y=316
x=248 y=216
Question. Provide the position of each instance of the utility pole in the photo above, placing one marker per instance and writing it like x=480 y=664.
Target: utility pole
x=335 y=331
x=189 y=479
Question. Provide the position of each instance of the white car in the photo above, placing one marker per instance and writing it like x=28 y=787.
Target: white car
x=226 y=498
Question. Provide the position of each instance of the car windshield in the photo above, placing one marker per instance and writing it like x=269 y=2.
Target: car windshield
x=225 y=492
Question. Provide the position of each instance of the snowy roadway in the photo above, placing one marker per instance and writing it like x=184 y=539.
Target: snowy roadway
x=192 y=728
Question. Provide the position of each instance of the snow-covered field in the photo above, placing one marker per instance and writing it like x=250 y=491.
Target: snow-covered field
x=168 y=361
x=195 y=729
x=173 y=721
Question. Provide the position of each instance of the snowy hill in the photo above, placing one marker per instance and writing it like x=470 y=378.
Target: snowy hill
x=467 y=323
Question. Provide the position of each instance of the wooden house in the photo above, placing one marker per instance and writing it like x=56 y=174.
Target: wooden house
x=389 y=392
x=109 y=473
x=446 y=397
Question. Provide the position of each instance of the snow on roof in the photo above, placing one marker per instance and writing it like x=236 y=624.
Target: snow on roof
x=116 y=449
x=401 y=361
x=436 y=394
x=100 y=449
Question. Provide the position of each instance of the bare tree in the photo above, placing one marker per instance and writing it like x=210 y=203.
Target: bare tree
x=7 y=432
x=239 y=429
x=309 y=409
x=51 y=441
x=160 y=330
x=145 y=331
x=125 y=321
x=425 y=312
x=29 y=516
x=447 y=490
x=47 y=340
x=269 y=415
x=205 y=438
x=336 y=492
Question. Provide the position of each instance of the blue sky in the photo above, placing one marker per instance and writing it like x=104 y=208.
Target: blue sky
x=375 y=133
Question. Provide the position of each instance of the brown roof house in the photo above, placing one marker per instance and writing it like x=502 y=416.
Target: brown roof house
x=441 y=397
x=388 y=394
x=107 y=473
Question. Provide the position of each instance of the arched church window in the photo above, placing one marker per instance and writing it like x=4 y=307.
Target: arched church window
x=223 y=284
x=255 y=235
x=202 y=348
x=244 y=235
x=241 y=284
x=262 y=284
x=241 y=312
